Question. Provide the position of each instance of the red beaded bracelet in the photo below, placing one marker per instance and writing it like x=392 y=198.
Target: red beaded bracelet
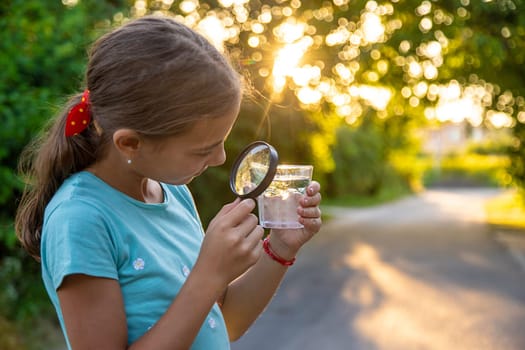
x=271 y=254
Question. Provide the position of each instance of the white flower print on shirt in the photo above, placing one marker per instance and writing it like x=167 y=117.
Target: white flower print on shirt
x=212 y=323
x=185 y=270
x=138 y=264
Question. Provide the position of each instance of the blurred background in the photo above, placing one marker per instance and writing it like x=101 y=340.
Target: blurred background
x=387 y=99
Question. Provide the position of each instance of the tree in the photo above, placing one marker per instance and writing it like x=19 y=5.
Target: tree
x=408 y=63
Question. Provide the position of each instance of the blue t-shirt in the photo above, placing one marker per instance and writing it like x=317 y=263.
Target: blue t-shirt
x=91 y=228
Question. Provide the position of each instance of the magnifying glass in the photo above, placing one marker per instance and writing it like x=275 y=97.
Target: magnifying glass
x=253 y=170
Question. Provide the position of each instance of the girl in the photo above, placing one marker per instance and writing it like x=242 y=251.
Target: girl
x=124 y=257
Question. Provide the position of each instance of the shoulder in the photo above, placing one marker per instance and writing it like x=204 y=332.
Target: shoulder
x=73 y=212
x=78 y=186
x=76 y=198
x=75 y=219
x=79 y=212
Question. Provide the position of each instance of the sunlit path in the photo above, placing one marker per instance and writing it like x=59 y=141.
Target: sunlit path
x=422 y=273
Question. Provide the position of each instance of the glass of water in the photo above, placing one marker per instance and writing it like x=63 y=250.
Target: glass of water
x=279 y=202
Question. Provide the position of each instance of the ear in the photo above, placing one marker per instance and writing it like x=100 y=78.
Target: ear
x=127 y=142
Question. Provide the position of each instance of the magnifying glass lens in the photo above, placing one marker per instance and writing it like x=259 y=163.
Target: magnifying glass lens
x=253 y=170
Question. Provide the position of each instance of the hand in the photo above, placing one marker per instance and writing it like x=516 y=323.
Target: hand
x=232 y=242
x=287 y=242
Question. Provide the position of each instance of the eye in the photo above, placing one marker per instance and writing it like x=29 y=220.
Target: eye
x=204 y=153
x=207 y=151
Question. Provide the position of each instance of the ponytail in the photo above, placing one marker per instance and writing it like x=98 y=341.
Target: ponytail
x=44 y=165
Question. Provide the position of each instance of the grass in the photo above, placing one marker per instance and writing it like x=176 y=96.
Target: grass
x=507 y=210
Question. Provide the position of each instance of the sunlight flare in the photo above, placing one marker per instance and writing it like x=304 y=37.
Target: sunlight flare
x=287 y=60
x=373 y=29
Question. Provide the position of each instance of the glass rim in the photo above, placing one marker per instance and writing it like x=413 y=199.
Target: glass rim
x=294 y=166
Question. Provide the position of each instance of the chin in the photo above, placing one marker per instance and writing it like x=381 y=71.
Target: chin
x=185 y=180
x=182 y=181
x=178 y=182
x=188 y=181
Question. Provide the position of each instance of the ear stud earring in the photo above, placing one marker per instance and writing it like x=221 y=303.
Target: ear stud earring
x=129 y=161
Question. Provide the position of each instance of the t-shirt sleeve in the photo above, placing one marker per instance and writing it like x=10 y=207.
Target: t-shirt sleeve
x=76 y=240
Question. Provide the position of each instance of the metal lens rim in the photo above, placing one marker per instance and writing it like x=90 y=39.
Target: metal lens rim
x=267 y=180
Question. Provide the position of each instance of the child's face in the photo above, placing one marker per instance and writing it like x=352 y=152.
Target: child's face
x=183 y=157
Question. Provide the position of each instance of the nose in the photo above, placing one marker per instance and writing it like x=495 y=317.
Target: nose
x=218 y=157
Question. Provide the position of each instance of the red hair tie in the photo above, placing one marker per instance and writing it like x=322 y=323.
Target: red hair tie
x=79 y=116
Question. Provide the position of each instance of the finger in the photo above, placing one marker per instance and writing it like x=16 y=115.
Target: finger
x=313 y=188
x=255 y=237
x=251 y=244
x=311 y=201
x=312 y=212
x=246 y=226
x=255 y=243
x=311 y=225
x=228 y=207
x=239 y=213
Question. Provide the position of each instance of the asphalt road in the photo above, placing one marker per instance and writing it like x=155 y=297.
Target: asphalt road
x=424 y=272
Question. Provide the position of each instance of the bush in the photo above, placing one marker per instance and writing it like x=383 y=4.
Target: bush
x=468 y=170
x=366 y=165
x=359 y=162
x=42 y=55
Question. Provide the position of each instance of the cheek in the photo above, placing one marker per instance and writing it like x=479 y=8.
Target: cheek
x=190 y=164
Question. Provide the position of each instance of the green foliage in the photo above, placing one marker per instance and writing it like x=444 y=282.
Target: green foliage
x=494 y=51
x=42 y=55
x=497 y=143
x=506 y=211
x=359 y=162
x=19 y=297
x=479 y=43
x=363 y=162
x=467 y=170
x=517 y=158
x=23 y=300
